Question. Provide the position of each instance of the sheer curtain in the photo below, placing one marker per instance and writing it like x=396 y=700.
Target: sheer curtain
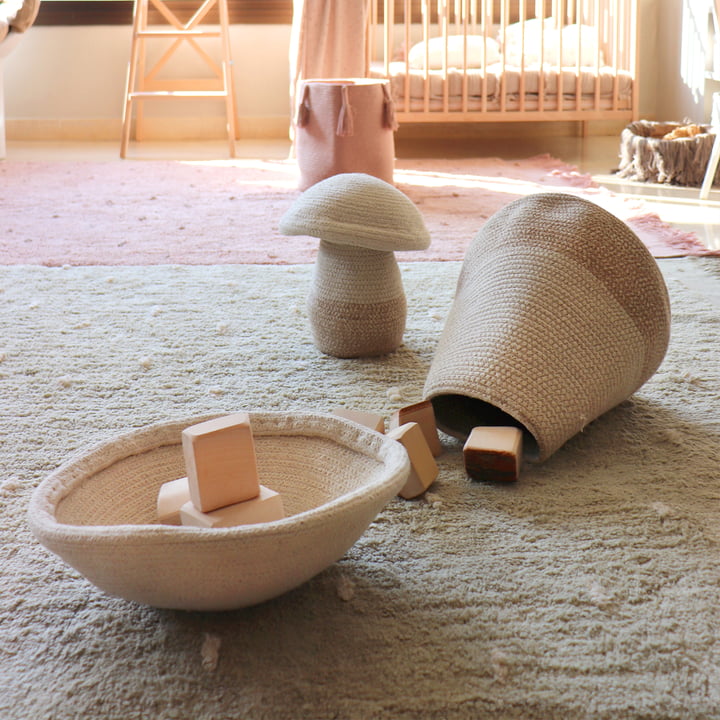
x=328 y=40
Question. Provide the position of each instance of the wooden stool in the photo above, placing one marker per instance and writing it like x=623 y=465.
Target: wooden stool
x=143 y=83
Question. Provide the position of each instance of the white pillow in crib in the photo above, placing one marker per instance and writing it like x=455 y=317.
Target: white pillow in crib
x=532 y=28
x=546 y=37
x=481 y=51
x=588 y=45
x=523 y=41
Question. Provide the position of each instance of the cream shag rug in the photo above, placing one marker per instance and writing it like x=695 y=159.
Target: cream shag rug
x=589 y=589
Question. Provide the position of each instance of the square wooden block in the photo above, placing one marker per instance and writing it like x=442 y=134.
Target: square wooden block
x=493 y=453
x=171 y=497
x=372 y=420
x=220 y=462
x=423 y=468
x=266 y=507
x=423 y=414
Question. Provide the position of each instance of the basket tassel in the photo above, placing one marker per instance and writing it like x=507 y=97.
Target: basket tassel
x=302 y=117
x=345 y=125
x=389 y=120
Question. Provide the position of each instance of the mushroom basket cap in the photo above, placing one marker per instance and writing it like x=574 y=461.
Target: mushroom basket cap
x=360 y=210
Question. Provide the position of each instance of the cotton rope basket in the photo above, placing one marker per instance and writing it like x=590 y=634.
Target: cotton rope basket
x=560 y=313
x=656 y=152
x=97 y=512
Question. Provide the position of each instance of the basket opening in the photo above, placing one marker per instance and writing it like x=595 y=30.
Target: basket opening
x=457 y=415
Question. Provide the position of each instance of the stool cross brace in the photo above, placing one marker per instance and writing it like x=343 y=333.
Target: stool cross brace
x=144 y=83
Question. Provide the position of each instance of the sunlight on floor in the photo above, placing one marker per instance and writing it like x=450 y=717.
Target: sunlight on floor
x=279 y=173
x=596 y=155
x=440 y=180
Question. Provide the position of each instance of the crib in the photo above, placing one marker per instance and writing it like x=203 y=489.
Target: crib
x=506 y=60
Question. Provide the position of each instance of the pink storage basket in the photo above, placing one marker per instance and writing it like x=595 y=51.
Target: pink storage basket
x=344 y=126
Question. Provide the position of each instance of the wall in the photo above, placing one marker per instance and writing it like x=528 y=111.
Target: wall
x=68 y=82
x=677 y=53
x=678 y=60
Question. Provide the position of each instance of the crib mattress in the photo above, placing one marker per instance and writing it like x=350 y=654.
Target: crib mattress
x=501 y=86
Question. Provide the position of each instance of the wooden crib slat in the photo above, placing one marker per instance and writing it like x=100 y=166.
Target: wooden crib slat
x=575 y=16
x=426 y=37
x=557 y=14
x=597 y=81
x=633 y=57
x=505 y=14
x=487 y=24
x=616 y=51
x=407 y=13
x=521 y=18
x=464 y=30
x=597 y=24
x=443 y=22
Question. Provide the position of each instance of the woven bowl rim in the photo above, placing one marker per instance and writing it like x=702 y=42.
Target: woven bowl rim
x=82 y=465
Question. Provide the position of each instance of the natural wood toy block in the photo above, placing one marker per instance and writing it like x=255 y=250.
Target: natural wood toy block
x=423 y=414
x=372 y=420
x=493 y=453
x=220 y=462
x=171 y=497
x=423 y=468
x=266 y=507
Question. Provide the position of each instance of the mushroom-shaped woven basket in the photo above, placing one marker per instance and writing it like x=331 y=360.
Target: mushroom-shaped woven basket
x=97 y=512
x=356 y=304
x=560 y=313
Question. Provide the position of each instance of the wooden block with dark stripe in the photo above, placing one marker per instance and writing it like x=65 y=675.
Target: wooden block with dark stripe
x=493 y=453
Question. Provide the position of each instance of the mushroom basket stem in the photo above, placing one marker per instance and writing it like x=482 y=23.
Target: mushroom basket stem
x=356 y=304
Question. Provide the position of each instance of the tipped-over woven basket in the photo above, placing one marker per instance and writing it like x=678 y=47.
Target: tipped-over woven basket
x=97 y=512
x=560 y=313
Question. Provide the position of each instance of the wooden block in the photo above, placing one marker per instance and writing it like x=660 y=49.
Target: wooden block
x=220 y=462
x=493 y=453
x=372 y=420
x=423 y=468
x=171 y=497
x=266 y=507
x=423 y=414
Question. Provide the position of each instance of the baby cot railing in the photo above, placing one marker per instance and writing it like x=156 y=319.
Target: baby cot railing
x=507 y=60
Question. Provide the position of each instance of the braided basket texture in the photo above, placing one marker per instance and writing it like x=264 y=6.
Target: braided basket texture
x=356 y=303
x=560 y=313
x=646 y=155
x=344 y=125
x=97 y=512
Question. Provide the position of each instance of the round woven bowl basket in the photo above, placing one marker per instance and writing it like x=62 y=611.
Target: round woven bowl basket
x=97 y=512
x=560 y=313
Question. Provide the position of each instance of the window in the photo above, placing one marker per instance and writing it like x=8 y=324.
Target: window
x=119 y=12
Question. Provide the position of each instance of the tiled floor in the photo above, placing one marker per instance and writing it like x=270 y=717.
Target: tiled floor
x=597 y=155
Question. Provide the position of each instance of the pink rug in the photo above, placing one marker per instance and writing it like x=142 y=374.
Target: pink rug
x=137 y=212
